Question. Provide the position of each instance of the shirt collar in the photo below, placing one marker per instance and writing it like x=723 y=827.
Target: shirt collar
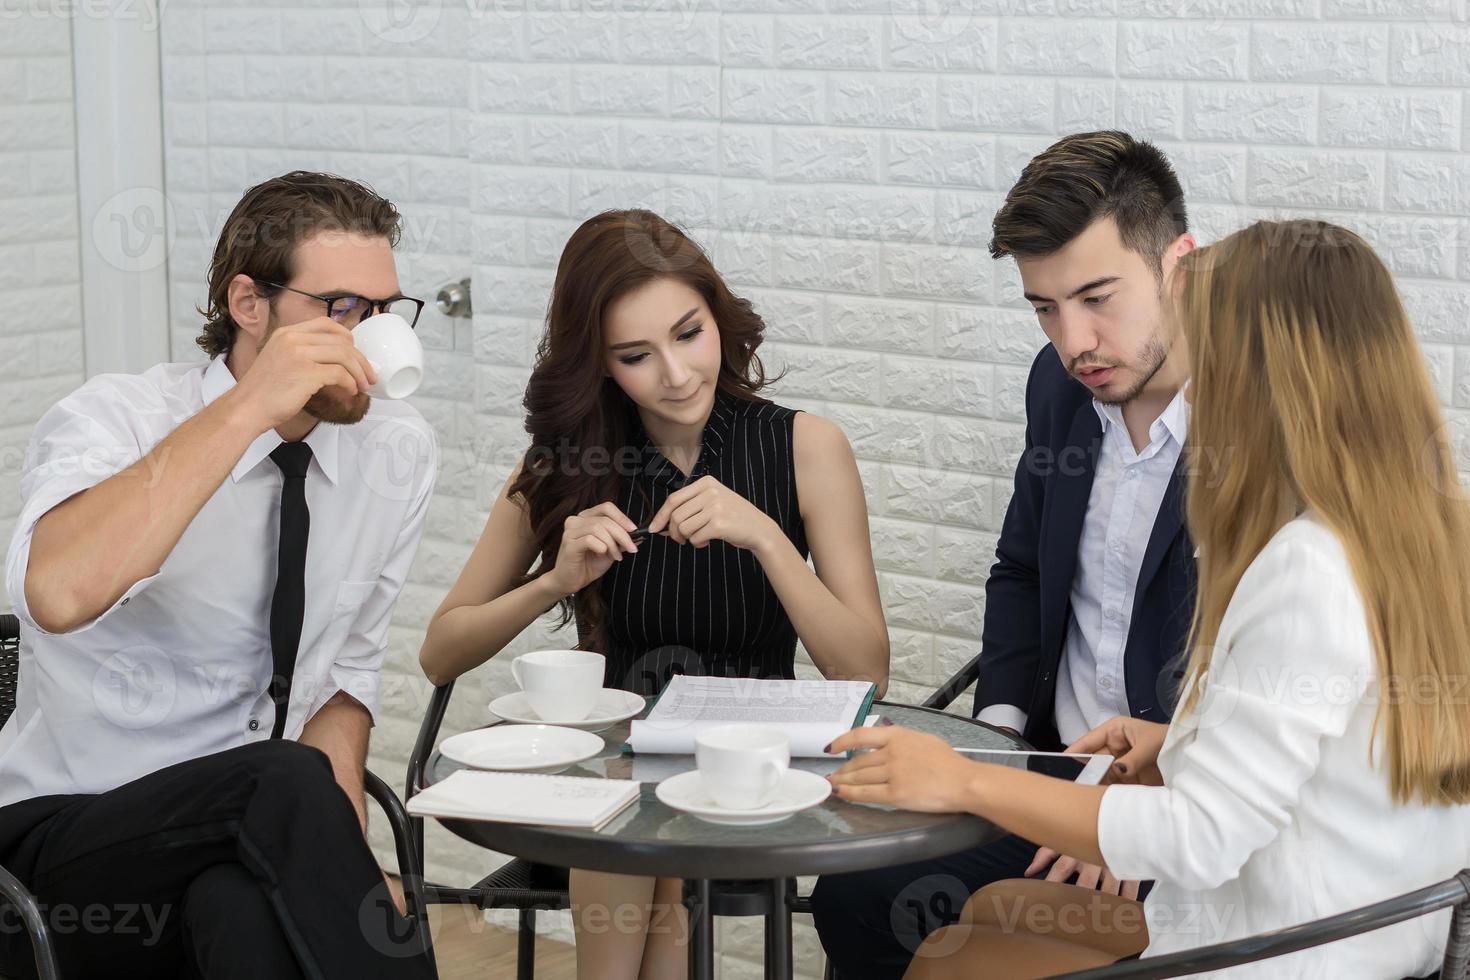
x=713 y=439
x=323 y=438
x=1174 y=419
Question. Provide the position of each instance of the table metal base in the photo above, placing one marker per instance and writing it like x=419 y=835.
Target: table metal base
x=769 y=898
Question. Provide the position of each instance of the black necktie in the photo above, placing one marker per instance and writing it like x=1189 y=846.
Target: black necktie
x=288 y=603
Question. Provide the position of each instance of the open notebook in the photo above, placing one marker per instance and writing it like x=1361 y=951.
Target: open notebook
x=811 y=712
x=521 y=797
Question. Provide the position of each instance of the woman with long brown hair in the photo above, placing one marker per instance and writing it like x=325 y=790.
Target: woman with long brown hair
x=644 y=413
x=1320 y=756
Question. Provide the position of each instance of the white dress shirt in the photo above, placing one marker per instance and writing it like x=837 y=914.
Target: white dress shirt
x=180 y=665
x=1128 y=488
x=1276 y=807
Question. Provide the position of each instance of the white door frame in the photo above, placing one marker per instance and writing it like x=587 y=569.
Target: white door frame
x=125 y=223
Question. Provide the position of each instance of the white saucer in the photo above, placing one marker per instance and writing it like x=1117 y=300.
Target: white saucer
x=799 y=790
x=612 y=707
x=521 y=748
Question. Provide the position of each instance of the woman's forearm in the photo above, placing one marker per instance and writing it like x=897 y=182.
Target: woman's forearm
x=1045 y=810
x=842 y=644
x=460 y=639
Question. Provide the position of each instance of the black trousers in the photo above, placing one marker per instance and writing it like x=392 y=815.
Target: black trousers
x=870 y=922
x=246 y=863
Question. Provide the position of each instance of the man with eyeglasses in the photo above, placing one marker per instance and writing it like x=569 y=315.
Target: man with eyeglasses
x=205 y=564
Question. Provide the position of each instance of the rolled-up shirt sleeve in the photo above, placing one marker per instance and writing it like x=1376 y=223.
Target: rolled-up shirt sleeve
x=97 y=431
x=1290 y=677
x=356 y=667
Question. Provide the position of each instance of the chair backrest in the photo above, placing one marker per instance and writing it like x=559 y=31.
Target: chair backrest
x=418 y=759
x=946 y=693
x=1454 y=893
x=9 y=664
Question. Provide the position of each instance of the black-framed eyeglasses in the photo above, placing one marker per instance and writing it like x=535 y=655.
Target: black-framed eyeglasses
x=350 y=310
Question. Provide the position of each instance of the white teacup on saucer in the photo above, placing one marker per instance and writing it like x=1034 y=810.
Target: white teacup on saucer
x=742 y=765
x=560 y=684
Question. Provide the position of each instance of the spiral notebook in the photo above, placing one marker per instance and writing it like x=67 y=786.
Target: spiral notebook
x=531 y=798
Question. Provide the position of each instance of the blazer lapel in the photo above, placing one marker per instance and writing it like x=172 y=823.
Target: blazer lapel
x=1076 y=465
x=1166 y=528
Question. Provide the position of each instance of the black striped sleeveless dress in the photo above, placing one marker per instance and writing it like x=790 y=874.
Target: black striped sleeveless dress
x=679 y=609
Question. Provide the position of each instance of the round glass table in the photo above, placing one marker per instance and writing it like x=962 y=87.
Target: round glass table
x=654 y=840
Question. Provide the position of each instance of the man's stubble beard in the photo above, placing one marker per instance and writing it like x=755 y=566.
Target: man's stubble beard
x=1152 y=357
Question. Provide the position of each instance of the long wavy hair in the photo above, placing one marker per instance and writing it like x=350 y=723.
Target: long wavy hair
x=1306 y=369
x=578 y=418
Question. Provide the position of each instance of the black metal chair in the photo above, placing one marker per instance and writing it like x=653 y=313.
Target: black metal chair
x=15 y=894
x=1454 y=893
x=946 y=693
x=521 y=885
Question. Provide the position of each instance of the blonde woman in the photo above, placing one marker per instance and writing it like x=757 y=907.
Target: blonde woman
x=1320 y=756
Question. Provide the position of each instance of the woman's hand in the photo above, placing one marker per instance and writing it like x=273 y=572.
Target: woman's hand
x=904 y=768
x=590 y=542
x=1134 y=745
x=707 y=510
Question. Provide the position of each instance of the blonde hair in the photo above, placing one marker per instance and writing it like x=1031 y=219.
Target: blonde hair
x=1309 y=390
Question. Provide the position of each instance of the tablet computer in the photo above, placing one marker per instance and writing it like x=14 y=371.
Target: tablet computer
x=1086 y=769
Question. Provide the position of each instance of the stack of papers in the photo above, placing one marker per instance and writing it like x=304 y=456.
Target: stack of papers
x=811 y=712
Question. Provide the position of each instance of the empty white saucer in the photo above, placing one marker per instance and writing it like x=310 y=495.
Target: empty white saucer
x=521 y=748
x=612 y=707
x=799 y=790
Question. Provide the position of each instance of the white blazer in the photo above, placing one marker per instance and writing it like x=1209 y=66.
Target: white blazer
x=1274 y=810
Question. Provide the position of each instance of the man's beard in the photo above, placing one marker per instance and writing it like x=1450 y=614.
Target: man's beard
x=1155 y=351
x=326 y=408
x=323 y=406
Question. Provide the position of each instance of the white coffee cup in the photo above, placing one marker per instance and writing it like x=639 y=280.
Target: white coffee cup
x=742 y=765
x=560 y=685
x=394 y=351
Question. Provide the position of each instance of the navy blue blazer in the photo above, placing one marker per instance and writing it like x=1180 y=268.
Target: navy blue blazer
x=1028 y=595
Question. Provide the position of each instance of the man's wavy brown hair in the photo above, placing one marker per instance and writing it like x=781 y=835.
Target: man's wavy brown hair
x=570 y=403
x=260 y=236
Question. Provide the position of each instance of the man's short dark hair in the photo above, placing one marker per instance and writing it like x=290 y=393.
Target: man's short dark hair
x=1084 y=177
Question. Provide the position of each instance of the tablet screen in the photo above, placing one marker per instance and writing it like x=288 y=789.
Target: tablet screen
x=1088 y=769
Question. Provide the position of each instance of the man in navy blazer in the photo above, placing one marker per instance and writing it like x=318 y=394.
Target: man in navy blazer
x=1088 y=604
x=1028 y=593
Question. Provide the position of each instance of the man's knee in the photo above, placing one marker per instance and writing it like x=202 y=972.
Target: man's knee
x=285 y=766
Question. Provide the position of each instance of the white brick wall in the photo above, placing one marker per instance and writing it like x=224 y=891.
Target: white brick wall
x=40 y=275
x=841 y=159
